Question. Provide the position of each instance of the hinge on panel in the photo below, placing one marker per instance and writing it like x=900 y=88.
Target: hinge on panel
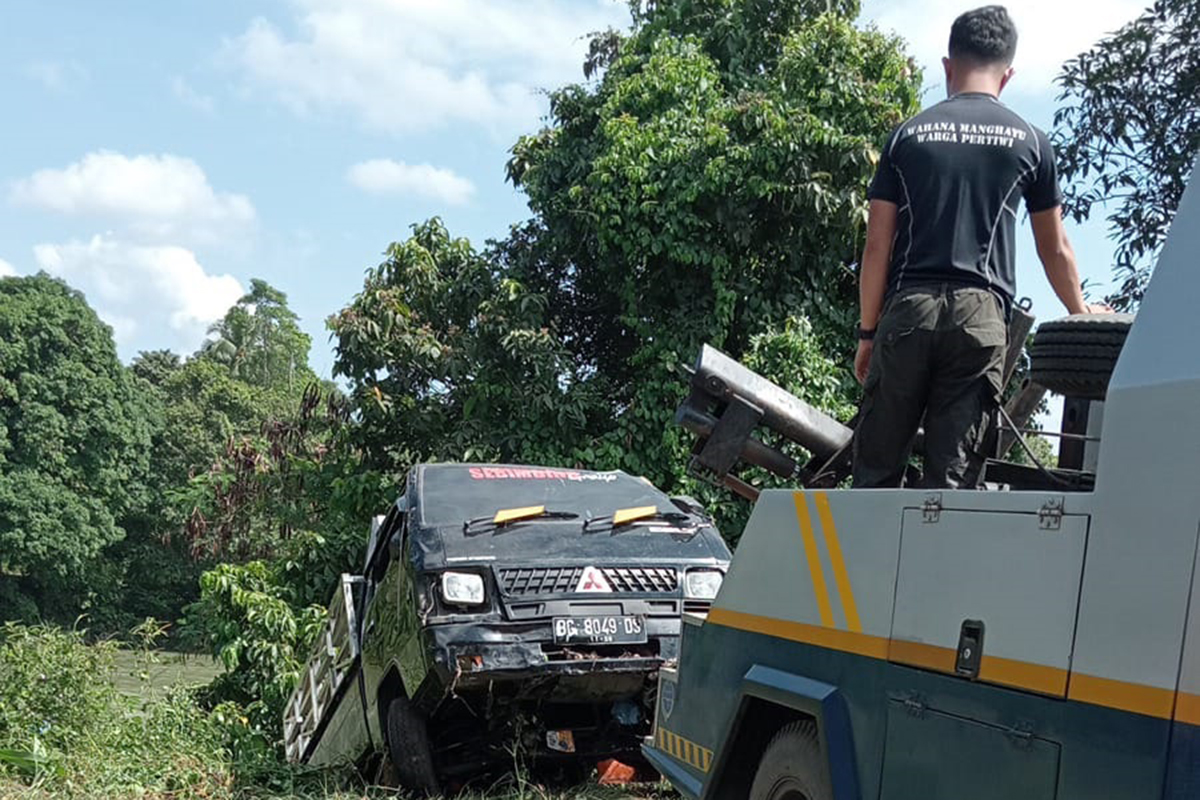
x=931 y=511
x=1021 y=735
x=914 y=706
x=1050 y=515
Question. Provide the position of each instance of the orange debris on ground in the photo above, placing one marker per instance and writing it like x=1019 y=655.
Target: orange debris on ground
x=614 y=773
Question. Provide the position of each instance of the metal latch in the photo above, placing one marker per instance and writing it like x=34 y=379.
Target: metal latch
x=1050 y=515
x=931 y=510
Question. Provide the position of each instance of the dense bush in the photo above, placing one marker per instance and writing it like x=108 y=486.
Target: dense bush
x=66 y=731
x=246 y=618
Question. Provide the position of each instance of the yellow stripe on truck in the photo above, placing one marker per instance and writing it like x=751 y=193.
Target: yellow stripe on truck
x=1187 y=708
x=840 y=575
x=814 y=560
x=846 y=641
x=1136 y=698
x=684 y=750
x=993 y=669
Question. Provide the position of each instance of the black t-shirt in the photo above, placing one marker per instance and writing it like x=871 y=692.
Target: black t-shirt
x=957 y=172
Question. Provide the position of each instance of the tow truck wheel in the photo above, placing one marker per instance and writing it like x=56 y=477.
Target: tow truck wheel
x=408 y=748
x=791 y=767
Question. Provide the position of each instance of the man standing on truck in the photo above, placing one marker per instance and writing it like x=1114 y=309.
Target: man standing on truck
x=938 y=272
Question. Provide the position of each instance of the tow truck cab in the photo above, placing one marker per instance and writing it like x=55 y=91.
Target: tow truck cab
x=986 y=644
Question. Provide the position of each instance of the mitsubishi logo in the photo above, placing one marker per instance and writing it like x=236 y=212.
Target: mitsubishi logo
x=593 y=580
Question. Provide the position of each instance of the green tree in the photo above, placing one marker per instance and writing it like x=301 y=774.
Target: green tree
x=74 y=434
x=260 y=341
x=709 y=187
x=212 y=411
x=449 y=359
x=1128 y=133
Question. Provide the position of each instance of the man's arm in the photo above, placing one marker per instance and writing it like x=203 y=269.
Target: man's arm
x=1058 y=259
x=872 y=280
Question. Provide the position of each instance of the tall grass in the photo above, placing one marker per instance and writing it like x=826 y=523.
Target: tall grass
x=67 y=731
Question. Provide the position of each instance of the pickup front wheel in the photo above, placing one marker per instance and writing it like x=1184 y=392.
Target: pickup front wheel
x=408 y=748
x=791 y=767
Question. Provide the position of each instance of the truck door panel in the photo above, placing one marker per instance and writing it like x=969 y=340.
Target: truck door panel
x=935 y=756
x=382 y=625
x=1016 y=573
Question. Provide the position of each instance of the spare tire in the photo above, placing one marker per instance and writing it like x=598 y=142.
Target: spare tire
x=1075 y=356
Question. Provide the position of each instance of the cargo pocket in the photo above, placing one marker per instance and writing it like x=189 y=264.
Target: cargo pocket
x=979 y=314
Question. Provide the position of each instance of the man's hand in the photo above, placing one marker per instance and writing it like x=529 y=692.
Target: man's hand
x=1098 y=308
x=862 y=361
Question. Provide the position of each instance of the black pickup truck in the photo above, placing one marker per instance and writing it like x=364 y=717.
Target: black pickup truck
x=505 y=605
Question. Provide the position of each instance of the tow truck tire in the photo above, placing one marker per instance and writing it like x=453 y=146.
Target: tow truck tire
x=792 y=768
x=408 y=748
x=1075 y=356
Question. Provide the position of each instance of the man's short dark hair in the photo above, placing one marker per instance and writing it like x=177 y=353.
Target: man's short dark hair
x=985 y=36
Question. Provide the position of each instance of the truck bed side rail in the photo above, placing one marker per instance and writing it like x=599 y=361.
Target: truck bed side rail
x=328 y=667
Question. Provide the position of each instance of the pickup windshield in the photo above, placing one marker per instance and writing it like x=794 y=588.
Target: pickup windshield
x=451 y=494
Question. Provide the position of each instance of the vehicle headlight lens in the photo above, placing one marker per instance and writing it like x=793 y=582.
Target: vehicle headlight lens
x=703 y=584
x=462 y=588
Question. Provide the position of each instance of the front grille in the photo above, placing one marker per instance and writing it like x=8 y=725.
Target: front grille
x=539 y=580
x=641 y=579
x=530 y=581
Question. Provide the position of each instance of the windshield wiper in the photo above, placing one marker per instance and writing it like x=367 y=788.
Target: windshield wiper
x=626 y=517
x=511 y=516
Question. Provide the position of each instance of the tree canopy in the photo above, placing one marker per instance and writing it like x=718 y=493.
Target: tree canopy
x=1128 y=133
x=709 y=188
x=260 y=341
x=75 y=431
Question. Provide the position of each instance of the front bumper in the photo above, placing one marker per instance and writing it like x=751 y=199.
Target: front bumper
x=467 y=655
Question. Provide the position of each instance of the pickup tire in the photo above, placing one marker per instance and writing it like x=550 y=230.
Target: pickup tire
x=791 y=767
x=1075 y=356
x=408 y=748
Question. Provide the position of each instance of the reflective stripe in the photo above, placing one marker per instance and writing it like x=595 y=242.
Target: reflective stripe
x=684 y=750
x=993 y=669
x=814 y=560
x=1135 y=697
x=846 y=641
x=840 y=575
x=1149 y=701
x=1187 y=708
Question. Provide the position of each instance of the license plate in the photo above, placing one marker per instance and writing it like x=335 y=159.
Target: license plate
x=599 y=629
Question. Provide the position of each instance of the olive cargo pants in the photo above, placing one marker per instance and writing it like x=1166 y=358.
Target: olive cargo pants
x=939 y=355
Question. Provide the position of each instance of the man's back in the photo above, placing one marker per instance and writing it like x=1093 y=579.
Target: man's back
x=957 y=172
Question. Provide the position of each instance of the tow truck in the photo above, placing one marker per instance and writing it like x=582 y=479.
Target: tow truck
x=1037 y=640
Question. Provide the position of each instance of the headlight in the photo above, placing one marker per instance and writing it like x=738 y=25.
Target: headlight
x=703 y=584
x=462 y=588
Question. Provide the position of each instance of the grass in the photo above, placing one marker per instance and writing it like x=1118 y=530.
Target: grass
x=12 y=790
x=85 y=721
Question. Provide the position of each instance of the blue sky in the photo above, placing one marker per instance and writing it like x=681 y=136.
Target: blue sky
x=159 y=155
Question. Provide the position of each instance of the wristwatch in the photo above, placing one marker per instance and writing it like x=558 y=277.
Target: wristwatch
x=865 y=335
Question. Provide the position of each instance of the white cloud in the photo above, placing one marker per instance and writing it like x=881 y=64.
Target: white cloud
x=159 y=196
x=184 y=92
x=385 y=176
x=7 y=270
x=1050 y=33
x=410 y=65
x=56 y=75
x=155 y=297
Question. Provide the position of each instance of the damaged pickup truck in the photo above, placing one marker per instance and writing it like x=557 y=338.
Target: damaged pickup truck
x=502 y=606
